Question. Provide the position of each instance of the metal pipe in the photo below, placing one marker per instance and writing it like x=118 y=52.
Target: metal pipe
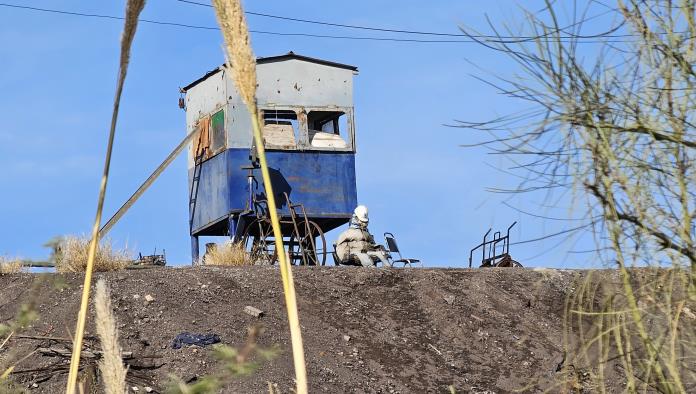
x=507 y=250
x=482 y=246
x=148 y=182
x=195 y=250
x=250 y=182
x=38 y=264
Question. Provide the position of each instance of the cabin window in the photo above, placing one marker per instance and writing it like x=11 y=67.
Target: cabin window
x=217 y=131
x=280 y=129
x=327 y=129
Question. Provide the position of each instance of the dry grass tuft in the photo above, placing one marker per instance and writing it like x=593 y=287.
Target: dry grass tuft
x=227 y=254
x=10 y=266
x=241 y=58
x=111 y=365
x=72 y=253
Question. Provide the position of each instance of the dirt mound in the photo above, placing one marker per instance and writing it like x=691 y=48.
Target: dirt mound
x=365 y=330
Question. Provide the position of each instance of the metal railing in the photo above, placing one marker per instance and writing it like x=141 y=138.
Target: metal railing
x=489 y=248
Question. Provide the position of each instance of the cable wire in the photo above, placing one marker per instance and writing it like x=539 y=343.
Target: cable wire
x=429 y=33
x=432 y=33
x=491 y=39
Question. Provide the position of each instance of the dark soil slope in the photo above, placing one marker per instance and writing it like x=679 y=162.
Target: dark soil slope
x=364 y=330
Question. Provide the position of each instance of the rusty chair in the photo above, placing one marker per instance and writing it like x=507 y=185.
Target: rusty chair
x=392 y=247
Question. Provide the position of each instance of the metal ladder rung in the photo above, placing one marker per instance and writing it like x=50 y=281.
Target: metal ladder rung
x=195 y=183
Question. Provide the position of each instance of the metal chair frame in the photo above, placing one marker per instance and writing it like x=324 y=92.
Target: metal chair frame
x=393 y=247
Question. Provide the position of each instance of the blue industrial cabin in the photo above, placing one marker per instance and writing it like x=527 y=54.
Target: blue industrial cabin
x=309 y=134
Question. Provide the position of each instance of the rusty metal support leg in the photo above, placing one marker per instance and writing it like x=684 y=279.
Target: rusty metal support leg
x=194 y=250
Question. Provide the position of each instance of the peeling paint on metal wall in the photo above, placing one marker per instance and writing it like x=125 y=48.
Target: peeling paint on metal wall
x=322 y=178
x=203 y=100
x=295 y=82
x=292 y=83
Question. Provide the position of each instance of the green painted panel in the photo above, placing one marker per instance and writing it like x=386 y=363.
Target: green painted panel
x=217 y=129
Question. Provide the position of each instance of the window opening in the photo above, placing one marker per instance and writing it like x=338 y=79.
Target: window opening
x=280 y=128
x=328 y=129
x=217 y=131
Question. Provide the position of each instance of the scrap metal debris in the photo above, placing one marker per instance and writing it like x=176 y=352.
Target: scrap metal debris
x=152 y=260
x=495 y=252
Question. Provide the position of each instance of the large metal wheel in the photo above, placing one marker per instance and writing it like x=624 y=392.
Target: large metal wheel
x=307 y=248
x=259 y=243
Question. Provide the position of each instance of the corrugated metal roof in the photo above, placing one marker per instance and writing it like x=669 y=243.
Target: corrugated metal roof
x=272 y=59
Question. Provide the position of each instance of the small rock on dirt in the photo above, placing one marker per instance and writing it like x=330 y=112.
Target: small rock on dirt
x=449 y=299
x=250 y=310
x=346 y=338
x=149 y=298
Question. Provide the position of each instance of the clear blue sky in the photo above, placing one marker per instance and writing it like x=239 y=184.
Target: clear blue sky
x=58 y=80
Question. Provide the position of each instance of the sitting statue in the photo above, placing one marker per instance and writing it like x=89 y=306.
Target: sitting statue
x=356 y=246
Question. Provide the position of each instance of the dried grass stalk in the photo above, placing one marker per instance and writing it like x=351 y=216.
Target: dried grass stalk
x=228 y=255
x=241 y=58
x=111 y=365
x=133 y=9
x=10 y=265
x=72 y=254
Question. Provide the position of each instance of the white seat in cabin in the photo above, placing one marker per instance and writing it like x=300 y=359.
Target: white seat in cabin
x=320 y=139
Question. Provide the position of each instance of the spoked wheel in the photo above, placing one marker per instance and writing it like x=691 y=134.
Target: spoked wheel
x=307 y=248
x=259 y=243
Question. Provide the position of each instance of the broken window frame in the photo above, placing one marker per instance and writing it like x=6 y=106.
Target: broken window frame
x=302 y=142
x=347 y=135
x=299 y=136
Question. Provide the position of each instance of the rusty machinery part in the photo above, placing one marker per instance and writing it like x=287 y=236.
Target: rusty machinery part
x=495 y=251
x=259 y=243
x=305 y=239
x=307 y=247
x=505 y=261
x=151 y=260
x=303 y=248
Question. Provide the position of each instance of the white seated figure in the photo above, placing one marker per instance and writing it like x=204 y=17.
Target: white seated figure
x=357 y=245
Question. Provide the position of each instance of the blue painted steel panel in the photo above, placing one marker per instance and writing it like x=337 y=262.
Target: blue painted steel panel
x=213 y=195
x=323 y=181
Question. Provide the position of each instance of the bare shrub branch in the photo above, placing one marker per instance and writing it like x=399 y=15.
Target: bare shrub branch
x=613 y=121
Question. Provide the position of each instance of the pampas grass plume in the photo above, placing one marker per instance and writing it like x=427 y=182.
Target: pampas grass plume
x=111 y=364
x=238 y=47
